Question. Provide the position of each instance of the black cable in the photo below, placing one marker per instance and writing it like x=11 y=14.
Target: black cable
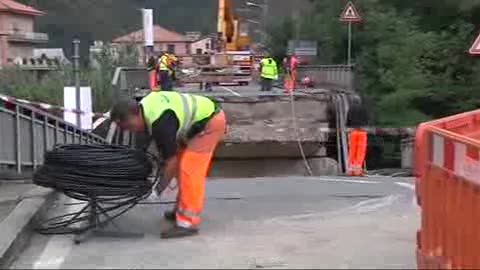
x=112 y=179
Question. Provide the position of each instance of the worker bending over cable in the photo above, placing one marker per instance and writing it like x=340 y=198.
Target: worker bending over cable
x=186 y=129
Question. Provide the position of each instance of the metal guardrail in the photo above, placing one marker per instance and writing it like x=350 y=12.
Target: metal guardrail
x=342 y=76
x=129 y=80
x=27 y=132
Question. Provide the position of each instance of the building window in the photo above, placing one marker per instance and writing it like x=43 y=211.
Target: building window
x=171 y=48
x=207 y=46
x=199 y=51
x=15 y=27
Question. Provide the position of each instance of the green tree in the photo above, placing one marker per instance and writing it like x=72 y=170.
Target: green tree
x=412 y=66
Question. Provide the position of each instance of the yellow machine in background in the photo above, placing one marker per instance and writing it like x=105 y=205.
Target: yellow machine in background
x=234 y=30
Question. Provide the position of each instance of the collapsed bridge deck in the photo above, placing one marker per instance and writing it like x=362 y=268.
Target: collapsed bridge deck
x=266 y=130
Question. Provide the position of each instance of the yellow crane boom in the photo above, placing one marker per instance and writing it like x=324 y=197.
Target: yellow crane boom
x=233 y=29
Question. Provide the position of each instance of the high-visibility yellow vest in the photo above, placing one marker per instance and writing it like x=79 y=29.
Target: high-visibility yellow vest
x=189 y=109
x=269 y=68
x=163 y=63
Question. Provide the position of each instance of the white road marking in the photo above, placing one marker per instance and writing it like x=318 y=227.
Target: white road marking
x=58 y=246
x=406 y=185
x=374 y=204
x=348 y=181
x=55 y=252
x=231 y=91
x=410 y=187
x=328 y=179
x=362 y=207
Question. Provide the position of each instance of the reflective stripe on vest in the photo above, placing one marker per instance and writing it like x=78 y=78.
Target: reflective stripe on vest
x=189 y=109
x=188 y=116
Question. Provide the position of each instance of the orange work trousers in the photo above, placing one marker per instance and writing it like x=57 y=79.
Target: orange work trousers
x=194 y=162
x=357 y=151
x=290 y=81
x=153 y=79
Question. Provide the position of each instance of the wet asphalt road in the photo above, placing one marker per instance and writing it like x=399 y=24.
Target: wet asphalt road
x=291 y=222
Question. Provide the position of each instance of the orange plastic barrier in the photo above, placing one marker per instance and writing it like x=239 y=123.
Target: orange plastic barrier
x=448 y=191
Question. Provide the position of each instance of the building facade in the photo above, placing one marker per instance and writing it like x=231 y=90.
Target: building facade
x=204 y=45
x=164 y=41
x=17 y=36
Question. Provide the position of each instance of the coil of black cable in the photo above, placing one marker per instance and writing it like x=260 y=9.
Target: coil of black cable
x=115 y=176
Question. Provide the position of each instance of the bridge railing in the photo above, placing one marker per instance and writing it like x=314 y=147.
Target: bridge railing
x=340 y=76
x=27 y=132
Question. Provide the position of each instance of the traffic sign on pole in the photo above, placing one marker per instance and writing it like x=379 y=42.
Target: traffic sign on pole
x=475 y=49
x=350 y=14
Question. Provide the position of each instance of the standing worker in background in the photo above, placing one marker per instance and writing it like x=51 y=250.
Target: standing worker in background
x=357 y=120
x=290 y=64
x=165 y=70
x=186 y=129
x=293 y=70
x=172 y=63
x=269 y=72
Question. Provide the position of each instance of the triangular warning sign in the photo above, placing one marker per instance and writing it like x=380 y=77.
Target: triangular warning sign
x=350 y=14
x=475 y=49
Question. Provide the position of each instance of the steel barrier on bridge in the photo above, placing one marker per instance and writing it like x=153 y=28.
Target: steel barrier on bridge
x=27 y=132
x=448 y=173
x=340 y=76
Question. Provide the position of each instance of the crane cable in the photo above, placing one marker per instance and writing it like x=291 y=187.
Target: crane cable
x=297 y=133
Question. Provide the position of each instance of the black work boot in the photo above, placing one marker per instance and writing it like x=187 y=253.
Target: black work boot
x=177 y=232
x=170 y=215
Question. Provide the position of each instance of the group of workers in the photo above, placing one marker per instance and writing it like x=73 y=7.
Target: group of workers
x=163 y=73
x=269 y=72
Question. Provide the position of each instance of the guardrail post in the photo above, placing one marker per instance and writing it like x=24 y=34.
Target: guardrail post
x=45 y=133
x=74 y=132
x=34 y=141
x=65 y=134
x=81 y=137
x=18 y=154
x=55 y=136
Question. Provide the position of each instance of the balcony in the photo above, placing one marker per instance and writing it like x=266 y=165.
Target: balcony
x=30 y=37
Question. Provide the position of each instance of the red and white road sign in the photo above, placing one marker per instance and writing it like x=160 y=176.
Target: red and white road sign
x=350 y=14
x=475 y=49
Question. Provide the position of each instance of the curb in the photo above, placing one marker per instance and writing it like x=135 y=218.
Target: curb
x=17 y=228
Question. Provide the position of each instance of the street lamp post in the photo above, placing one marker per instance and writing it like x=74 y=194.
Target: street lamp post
x=76 y=71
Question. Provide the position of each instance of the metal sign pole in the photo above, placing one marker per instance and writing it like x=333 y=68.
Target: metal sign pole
x=147 y=18
x=349 y=58
x=76 y=70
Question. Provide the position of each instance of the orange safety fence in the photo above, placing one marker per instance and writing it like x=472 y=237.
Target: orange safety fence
x=448 y=191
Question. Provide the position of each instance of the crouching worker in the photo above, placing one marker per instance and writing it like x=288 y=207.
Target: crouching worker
x=186 y=129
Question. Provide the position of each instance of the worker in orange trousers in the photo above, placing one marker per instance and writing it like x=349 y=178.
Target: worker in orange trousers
x=290 y=65
x=357 y=151
x=357 y=119
x=186 y=129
